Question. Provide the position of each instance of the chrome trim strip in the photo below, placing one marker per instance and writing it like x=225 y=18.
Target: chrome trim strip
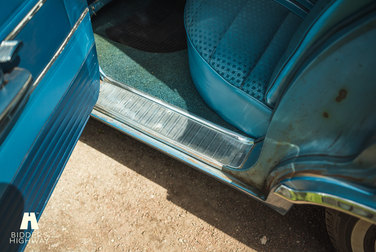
x=327 y=200
x=59 y=51
x=197 y=164
x=279 y=204
x=25 y=20
x=275 y=202
x=172 y=107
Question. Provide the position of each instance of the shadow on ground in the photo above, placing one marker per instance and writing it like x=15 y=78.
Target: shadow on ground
x=244 y=219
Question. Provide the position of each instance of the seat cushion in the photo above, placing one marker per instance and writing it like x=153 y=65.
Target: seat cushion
x=234 y=46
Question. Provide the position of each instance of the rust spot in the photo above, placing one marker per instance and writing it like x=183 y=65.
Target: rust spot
x=325 y=114
x=341 y=95
x=270 y=182
x=193 y=160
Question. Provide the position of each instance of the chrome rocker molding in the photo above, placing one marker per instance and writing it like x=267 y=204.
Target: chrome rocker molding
x=277 y=203
x=204 y=164
x=327 y=200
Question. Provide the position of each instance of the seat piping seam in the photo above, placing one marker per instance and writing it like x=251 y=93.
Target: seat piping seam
x=258 y=61
x=224 y=34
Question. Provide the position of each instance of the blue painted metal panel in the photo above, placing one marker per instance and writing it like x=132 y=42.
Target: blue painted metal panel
x=8 y=9
x=45 y=161
x=327 y=112
x=35 y=54
x=11 y=14
x=39 y=145
x=322 y=18
x=44 y=99
x=74 y=9
x=335 y=96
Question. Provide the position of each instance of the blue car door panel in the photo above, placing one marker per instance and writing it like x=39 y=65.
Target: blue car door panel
x=60 y=55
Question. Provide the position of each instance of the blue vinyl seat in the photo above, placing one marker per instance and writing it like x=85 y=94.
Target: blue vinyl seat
x=237 y=48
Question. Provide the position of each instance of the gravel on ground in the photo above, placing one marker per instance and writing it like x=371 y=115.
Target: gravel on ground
x=117 y=194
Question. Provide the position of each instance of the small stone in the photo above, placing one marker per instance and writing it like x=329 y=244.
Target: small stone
x=263 y=240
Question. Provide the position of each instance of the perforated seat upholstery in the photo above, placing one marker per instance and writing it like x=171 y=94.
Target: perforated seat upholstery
x=234 y=47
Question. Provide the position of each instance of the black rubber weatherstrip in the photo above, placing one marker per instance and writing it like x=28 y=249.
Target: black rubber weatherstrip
x=159 y=28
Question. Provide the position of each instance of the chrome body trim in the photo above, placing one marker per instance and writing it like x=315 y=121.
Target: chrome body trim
x=25 y=20
x=280 y=205
x=60 y=49
x=327 y=200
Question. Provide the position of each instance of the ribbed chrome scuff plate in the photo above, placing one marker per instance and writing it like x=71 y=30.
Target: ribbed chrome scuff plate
x=197 y=138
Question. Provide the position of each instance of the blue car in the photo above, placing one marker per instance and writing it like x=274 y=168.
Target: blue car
x=275 y=98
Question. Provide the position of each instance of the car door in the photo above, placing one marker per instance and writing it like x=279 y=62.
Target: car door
x=49 y=85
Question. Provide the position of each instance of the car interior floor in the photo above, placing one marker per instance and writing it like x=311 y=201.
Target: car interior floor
x=143 y=45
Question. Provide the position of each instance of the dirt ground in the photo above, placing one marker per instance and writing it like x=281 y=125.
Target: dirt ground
x=117 y=194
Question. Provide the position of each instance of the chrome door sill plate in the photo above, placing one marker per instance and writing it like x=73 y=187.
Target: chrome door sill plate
x=173 y=126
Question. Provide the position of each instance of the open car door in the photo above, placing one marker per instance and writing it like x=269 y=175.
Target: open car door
x=49 y=83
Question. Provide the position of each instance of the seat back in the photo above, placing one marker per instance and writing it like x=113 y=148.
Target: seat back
x=324 y=16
